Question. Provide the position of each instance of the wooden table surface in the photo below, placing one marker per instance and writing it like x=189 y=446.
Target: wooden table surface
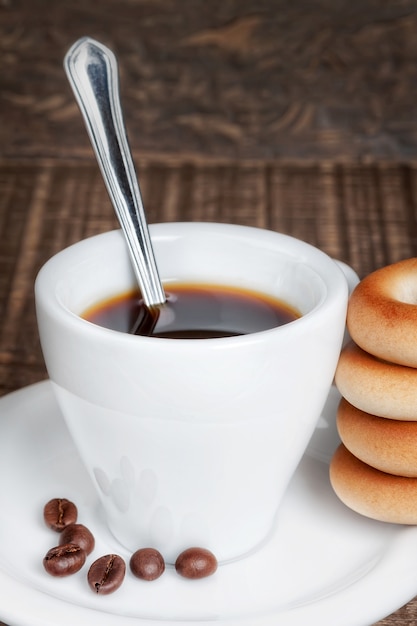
x=298 y=117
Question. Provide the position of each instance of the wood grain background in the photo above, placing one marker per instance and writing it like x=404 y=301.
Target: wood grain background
x=220 y=78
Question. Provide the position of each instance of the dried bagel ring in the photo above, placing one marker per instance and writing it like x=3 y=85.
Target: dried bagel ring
x=382 y=313
x=386 y=444
x=376 y=386
x=373 y=493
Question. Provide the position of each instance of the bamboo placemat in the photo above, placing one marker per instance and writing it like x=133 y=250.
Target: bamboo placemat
x=361 y=214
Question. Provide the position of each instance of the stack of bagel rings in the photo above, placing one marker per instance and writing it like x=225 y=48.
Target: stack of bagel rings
x=374 y=470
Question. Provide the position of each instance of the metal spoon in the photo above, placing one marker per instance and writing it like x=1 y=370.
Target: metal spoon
x=92 y=72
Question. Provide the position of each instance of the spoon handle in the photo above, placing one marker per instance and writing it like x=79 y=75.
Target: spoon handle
x=92 y=72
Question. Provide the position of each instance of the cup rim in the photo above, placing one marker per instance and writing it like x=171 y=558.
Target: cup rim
x=48 y=277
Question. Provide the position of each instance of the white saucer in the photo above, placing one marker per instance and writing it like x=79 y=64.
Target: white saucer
x=324 y=565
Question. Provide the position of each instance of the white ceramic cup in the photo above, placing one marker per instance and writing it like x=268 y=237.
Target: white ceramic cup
x=192 y=442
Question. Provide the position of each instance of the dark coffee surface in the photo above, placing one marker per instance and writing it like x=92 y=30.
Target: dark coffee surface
x=194 y=312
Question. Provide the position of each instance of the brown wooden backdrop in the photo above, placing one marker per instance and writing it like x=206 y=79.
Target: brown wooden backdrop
x=225 y=78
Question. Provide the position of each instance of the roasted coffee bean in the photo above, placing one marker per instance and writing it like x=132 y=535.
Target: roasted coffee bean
x=64 y=560
x=106 y=574
x=147 y=564
x=59 y=512
x=196 y=563
x=78 y=534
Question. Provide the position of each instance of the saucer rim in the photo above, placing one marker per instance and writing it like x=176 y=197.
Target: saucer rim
x=41 y=608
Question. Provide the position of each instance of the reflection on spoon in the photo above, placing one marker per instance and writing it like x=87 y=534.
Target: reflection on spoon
x=146 y=321
x=92 y=72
